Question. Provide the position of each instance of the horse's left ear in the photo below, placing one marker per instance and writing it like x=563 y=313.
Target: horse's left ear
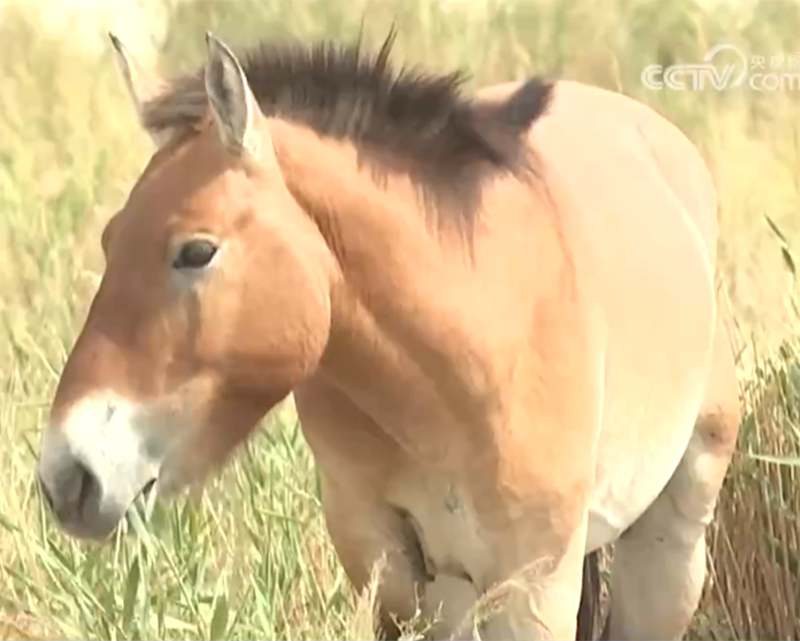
x=232 y=102
x=142 y=84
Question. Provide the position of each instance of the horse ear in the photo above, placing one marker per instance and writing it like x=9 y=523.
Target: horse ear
x=143 y=84
x=232 y=103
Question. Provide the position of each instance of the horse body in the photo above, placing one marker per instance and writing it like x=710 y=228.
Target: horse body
x=646 y=198
x=660 y=315
x=476 y=415
x=655 y=327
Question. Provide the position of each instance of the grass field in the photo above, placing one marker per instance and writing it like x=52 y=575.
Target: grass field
x=249 y=557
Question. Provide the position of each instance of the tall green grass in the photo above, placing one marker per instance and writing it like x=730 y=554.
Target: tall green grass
x=249 y=557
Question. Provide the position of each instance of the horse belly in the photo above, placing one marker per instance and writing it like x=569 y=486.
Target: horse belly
x=648 y=263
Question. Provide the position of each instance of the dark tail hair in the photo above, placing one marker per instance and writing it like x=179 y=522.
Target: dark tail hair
x=589 y=614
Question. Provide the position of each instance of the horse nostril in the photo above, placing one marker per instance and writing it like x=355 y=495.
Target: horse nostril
x=89 y=487
x=70 y=490
x=45 y=493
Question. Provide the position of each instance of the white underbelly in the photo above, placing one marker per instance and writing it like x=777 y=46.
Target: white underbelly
x=640 y=447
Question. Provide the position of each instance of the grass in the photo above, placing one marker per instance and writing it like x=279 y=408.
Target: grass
x=249 y=557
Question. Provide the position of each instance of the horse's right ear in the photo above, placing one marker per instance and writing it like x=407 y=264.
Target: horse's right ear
x=235 y=109
x=142 y=84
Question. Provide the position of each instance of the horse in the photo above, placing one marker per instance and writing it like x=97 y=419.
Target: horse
x=497 y=313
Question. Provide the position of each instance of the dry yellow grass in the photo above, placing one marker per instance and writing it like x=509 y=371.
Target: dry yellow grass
x=249 y=558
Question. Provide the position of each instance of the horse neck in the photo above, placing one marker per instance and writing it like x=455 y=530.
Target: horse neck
x=402 y=326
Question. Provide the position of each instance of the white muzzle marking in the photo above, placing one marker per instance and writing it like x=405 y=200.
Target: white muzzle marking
x=95 y=463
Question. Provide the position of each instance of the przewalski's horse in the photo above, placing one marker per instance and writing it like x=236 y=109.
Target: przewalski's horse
x=497 y=316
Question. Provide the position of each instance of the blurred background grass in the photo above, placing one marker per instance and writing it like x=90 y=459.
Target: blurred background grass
x=249 y=557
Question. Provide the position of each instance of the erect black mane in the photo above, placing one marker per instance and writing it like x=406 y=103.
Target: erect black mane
x=405 y=119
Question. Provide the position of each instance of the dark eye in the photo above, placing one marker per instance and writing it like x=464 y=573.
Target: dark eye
x=195 y=254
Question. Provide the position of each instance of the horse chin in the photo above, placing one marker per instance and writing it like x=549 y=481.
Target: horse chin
x=176 y=477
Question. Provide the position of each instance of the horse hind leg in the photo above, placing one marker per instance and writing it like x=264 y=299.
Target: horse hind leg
x=659 y=563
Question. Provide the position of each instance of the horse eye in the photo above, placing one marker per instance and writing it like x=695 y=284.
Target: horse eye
x=195 y=254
